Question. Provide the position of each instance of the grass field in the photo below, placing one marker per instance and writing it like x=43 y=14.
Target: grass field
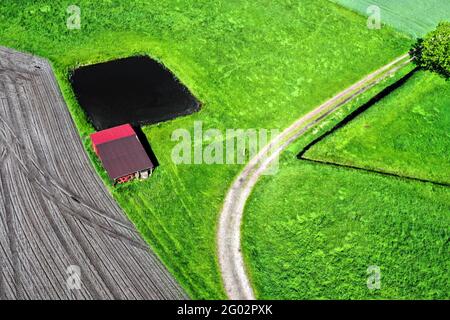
x=313 y=230
x=302 y=241
x=415 y=17
x=248 y=66
x=406 y=133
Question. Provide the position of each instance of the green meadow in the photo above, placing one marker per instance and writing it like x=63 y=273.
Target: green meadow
x=313 y=231
x=317 y=231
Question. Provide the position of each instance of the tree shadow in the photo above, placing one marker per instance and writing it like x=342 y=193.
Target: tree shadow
x=374 y=100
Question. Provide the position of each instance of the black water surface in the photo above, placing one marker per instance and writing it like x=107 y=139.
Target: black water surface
x=135 y=90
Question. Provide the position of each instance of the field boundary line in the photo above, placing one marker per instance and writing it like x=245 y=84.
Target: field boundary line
x=376 y=172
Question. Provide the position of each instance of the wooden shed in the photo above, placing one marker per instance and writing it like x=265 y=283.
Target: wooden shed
x=122 y=154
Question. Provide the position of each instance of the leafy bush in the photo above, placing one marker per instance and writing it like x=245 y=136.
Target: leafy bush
x=433 y=52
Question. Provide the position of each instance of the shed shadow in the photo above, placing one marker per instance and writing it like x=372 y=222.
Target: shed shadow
x=147 y=147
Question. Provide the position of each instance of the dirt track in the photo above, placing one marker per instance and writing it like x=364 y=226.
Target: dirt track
x=234 y=274
x=54 y=210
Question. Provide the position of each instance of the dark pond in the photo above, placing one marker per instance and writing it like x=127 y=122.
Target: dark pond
x=135 y=90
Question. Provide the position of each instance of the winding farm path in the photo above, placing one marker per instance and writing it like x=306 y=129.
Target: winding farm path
x=55 y=212
x=234 y=274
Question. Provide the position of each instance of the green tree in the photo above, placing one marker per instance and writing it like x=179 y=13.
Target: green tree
x=433 y=52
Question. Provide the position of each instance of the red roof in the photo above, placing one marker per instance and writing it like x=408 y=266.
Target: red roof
x=124 y=156
x=112 y=134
